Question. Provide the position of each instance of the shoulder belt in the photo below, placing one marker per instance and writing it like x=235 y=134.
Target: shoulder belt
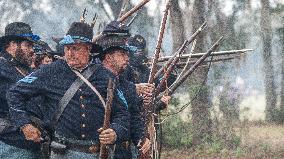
x=70 y=93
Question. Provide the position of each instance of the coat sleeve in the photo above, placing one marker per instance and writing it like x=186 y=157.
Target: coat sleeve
x=120 y=120
x=137 y=126
x=19 y=94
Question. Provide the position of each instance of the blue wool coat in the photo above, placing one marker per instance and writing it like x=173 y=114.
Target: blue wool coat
x=83 y=115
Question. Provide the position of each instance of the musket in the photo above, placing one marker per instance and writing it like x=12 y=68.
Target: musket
x=123 y=7
x=131 y=11
x=132 y=19
x=181 y=49
x=83 y=17
x=107 y=115
x=149 y=109
x=188 y=59
x=94 y=20
x=179 y=81
x=180 y=64
x=159 y=44
x=197 y=55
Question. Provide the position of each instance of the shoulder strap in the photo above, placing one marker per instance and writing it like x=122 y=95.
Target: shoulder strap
x=91 y=86
x=69 y=94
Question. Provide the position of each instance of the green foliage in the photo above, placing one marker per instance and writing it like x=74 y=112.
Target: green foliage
x=177 y=133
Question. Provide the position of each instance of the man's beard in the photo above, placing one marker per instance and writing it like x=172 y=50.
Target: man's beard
x=23 y=58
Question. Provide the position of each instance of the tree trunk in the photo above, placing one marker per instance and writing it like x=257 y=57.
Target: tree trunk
x=200 y=98
x=266 y=54
x=281 y=33
x=178 y=34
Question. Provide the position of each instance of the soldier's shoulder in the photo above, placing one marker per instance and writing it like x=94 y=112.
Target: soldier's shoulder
x=5 y=67
x=55 y=66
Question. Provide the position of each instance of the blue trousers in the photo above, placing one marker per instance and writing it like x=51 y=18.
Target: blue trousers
x=11 y=152
x=70 y=154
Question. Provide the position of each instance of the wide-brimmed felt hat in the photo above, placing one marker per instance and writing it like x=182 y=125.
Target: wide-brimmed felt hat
x=42 y=47
x=18 y=31
x=138 y=41
x=113 y=42
x=115 y=36
x=116 y=27
x=80 y=32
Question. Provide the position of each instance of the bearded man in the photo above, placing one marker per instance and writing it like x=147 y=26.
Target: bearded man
x=15 y=61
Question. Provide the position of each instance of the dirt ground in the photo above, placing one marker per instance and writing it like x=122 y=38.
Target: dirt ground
x=259 y=141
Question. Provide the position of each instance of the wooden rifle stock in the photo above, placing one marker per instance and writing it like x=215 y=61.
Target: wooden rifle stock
x=106 y=125
x=133 y=10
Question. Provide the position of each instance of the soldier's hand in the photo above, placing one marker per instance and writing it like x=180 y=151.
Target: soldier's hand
x=166 y=100
x=31 y=133
x=146 y=146
x=107 y=136
x=147 y=100
x=144 y=89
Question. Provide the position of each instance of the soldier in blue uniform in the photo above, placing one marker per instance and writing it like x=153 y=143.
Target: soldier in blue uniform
x=15 y=61
x=43 y=55
x=115 y=57
x=76 y=131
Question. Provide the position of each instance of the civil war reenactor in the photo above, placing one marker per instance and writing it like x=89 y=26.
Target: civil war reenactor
x=138 y=72
x=16 y=57
x=115 y=58
x=73 y=110
x=43 y=55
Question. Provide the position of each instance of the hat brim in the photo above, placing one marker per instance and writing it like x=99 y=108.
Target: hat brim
x=7 y=38
x=105 y=50
x=95 y=50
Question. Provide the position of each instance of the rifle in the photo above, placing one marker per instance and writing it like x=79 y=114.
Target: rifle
x=83 y=17
x=197 y=55
x=187 y=73
x=181 y=49
x=106 y=125
x=133 y=10
x=159 y=44
x=181 y=64
x=94 y=20
x=123 y=7
x=149 y=109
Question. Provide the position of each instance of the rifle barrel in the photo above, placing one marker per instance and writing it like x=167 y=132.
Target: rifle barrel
x=133 y=10
x=181 y=49
x=176 y=84
x=159 y=43
x=196 y=55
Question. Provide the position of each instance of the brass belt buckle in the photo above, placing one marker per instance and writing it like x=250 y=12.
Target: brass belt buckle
x=94 y=149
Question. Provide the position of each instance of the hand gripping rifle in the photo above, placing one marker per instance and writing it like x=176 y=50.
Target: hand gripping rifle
x=106 y=125
x=149 y=108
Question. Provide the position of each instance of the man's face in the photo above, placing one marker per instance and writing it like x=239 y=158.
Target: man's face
x=77 y=55
x=138 y=58
x=46 y=60
x=119 y=60
x=24 y=53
